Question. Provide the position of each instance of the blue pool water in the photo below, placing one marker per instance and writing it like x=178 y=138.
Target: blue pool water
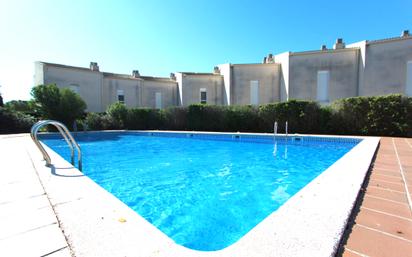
x=204 y=193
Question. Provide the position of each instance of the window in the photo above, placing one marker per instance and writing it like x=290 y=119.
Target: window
x=408 y=90
x=203 y=96
x=323 y=86
x=74 y=88
x=254 y=92
x=120 y=96
x=158 y=98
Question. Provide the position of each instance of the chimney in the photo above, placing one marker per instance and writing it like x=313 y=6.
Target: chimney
x=135 y=74
x=269 y=59
x=339 y=44
x=405 y=33
x=264 y=60
x=216 y=70
x=94 y=66
x=323 y=48
x=172 y=76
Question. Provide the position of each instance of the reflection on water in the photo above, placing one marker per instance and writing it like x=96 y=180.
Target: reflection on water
x=284 y=151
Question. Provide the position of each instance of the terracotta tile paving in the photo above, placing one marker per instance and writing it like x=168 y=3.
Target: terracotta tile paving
x=382 y=220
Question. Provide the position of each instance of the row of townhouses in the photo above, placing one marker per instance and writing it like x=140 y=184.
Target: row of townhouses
x=365 y=68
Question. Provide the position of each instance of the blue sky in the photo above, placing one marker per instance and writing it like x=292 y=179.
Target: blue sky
x=158 y=37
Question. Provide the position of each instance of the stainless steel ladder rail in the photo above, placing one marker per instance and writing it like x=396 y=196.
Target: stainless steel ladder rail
x=66 y=135
x=39 y=125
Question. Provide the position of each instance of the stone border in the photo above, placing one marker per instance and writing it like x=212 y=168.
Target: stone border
x=310 y=223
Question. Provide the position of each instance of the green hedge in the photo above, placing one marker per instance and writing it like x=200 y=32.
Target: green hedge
x=389 y=115
x=302 y=117
x=380 y=115
x=143 y=118
x=15 y=122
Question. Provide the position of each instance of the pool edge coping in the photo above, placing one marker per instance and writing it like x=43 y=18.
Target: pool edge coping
x=249 y=242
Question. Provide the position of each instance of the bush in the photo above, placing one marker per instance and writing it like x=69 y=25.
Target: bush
x=96 y=121
x=350 y=115
x=26 y=107
x=374 y=116
x=203 y=117
x=302 y=117
x=53 y=103
x=382 y=115
x=175 y=118
x=118 y=112
x=388 y=115
x=14 y=122
x=241 y=118
x=143 y=118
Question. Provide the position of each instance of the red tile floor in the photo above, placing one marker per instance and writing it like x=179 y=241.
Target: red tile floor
x=382 y=221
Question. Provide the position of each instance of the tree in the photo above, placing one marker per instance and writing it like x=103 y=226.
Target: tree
x=1 y=100
x=71 y=106
x=58 y=104
x=20 y=106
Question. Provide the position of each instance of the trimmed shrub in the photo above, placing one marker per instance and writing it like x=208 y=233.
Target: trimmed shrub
x=14 y=122
x=382 y=115
x=350 y=116
x=175 y=118
x=203 y=117
x=118 y=113
x=388 y=115
x=143 y=118
x=96 y=121
x=240 y=118
x=302 y=117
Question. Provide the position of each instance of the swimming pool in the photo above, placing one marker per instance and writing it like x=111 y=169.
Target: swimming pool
x=203 y=191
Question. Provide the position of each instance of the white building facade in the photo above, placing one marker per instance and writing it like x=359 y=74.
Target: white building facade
x=366 y=68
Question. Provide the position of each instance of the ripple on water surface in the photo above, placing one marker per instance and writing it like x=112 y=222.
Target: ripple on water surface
x=204 y=194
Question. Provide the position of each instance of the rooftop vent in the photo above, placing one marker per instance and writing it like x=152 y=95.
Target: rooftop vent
x=135 y=74
x=216 y=70
x=94 y=66
x=172 y=76
x=323 y=47
x=339 y=44
x=405 y=33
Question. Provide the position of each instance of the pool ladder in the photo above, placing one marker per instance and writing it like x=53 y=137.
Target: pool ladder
x=275 y=129
x=66 y=135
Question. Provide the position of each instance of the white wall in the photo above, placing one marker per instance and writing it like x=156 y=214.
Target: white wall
x=130 y=87
x=38 y=74
x=179 y=78
x=90 y=83
x=283 y=60
x=386 y=64
x=168 y=89
x=267 y=74
x=226 y=72
x=192 y=83
x=343 y=73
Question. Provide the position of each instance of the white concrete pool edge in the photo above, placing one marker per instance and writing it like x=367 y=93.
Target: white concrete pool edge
x=309 y=224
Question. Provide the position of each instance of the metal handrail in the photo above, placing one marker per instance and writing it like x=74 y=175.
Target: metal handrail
x=43 y=123
x=66 y=135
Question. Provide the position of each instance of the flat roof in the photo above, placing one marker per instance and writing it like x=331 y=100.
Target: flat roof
x=199 y=73
x=109 y=74
x=387 y=40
